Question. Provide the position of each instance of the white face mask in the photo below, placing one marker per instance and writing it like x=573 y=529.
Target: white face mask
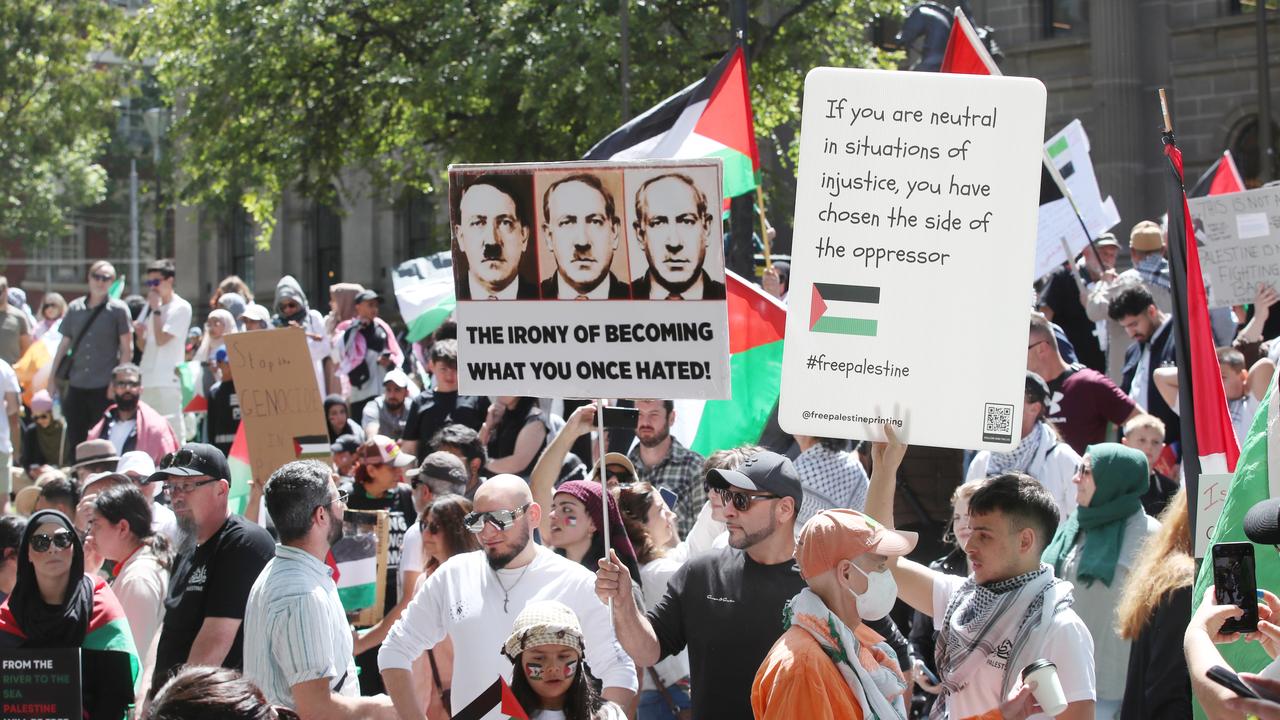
x=881 y=593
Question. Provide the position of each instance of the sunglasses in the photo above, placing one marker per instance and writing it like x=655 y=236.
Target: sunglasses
x=42 y=416
x=431 y=527
x=185 y=488
x=1083 y=469
x=101 y=277
x=152 y=283
x=501 y=519
x=60 y=540
x=181 y=458
x=742 y=501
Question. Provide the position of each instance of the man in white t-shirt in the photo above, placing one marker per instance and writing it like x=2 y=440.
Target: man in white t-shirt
x=10 y=428
x=474 y=597
x=1009 y=612
x=161 y=332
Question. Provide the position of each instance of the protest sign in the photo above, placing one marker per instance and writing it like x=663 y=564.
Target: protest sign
x=1058 y=229
x=40 y=684
x=565 y=275
x=1239 y=239
x=1210 y=500
x=361 y=556
x=280 y=403
x=915 y=198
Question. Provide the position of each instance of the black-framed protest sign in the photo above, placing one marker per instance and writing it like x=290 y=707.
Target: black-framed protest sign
x=915 y=232
x=590 y=279
x=40 y=684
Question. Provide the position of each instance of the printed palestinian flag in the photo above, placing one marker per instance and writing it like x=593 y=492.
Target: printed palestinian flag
x=1221 y=178
x=356 y=557
x=757 y=322
x=842 y=309
x=311 y=447
x=497 y=696
x=1251 y=483
x=241 y=472
x=710 y=118
x=107 y=649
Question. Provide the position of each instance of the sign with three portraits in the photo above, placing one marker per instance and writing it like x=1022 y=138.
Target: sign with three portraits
x=589 y=279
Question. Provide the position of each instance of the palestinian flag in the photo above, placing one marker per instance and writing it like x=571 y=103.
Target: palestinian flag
x=425 y=305
x=1222 y=177
x=107 y=653
x=965 y=53
x=1252 y=483
x=356 y=559
x=497 y=696
x=843 y=309
x=311 y=447
x=241 y=472
x=710 y=118
x=189 y=382
x=757 y=322
x=117 y=288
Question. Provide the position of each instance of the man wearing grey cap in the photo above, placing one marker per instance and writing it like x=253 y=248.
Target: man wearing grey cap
x=726 y=606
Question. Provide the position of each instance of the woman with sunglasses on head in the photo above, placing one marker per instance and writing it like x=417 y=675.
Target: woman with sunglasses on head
x=546 y=647
x=651 y=525
x=56 y=605
x=1096 y=547
x=122 y=531
x=573 y=527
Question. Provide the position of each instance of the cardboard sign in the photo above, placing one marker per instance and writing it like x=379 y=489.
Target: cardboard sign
x=1209 y=504
x=1058 y=224
x=40 y=684
x=585 y=280
x=361 y=556
x=280 y=403
x=1239 y=239
x=916 y=200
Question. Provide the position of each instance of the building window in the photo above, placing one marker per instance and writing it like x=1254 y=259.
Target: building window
x=238 y=243
x=323 y=252
x=1249 y=7
x=1244 y=147
x=1066 y=18
x=416 y=231
x=61 y=261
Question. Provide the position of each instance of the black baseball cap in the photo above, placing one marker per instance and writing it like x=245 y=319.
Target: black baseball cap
x=345 y=443
x=765 y=471
x=192 y=460
x=1262 y=522
x=1037 y=388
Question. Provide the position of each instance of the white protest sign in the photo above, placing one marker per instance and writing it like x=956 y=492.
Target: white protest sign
x=1058 y=224
x=1209 y=504
x=590 y=279
x=1239 y=239
x=915 y=198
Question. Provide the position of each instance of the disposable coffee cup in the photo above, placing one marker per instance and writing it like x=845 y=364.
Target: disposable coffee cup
x=1048 y=689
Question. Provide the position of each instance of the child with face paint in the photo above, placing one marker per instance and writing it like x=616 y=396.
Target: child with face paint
x=546 y=647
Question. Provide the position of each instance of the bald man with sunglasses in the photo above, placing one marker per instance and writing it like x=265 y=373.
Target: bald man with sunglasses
x=474 y=597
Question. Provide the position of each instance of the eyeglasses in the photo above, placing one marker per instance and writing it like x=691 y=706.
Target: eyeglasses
x=501 y=519
x=289 y=306
x=342 y=498
x=742 y=501
x=60 y=540
x=102 y=277
x=1038 y=342
x=175 y=489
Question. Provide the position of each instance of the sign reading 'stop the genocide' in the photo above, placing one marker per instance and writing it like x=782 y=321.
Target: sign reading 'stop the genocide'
x=590 y=279
x=915 y=229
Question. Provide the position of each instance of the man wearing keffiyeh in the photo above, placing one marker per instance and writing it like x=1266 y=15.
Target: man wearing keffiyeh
x=1009 y=612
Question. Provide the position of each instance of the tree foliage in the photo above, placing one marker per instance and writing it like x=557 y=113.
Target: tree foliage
x=277 y=94
x=55 y=112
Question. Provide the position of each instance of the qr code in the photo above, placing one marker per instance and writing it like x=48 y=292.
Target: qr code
x=997 y=423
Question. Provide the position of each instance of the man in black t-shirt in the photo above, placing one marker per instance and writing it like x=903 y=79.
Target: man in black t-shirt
x=725 y=606
x=432 y=409
x=1060 y=301
x=210 y=583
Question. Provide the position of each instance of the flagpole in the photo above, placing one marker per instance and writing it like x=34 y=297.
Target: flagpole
x=602 y=475
x=764 y=233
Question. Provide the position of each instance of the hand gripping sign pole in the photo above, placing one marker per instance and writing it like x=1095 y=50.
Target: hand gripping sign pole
x=603 y=475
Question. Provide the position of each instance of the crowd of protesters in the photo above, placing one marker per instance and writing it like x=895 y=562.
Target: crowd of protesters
x=769 y=580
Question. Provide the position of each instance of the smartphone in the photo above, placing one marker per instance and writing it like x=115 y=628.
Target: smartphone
x=620 y=417
x=1230 y=681
x=1235 y=583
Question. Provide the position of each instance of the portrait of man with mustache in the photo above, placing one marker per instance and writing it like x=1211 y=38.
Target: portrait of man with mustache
x=491 y=228
x=581 y=228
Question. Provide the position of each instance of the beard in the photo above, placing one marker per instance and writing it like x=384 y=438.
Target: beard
x=659 y=436
x=186 y=534
x=394 y=405
x=127 y=401
x=499 y=558
x=335 y=531
x=754 y=538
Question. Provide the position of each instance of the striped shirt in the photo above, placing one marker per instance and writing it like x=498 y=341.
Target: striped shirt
x=681 y=472
x=295 y=629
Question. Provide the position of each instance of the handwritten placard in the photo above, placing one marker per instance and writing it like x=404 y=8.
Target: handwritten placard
x=1209 y=504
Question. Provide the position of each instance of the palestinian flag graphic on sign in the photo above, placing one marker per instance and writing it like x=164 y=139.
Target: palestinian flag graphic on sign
x=844 y=309
x=311 y=447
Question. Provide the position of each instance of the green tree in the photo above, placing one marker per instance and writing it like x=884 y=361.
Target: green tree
x=278 y=94
x=55 y=112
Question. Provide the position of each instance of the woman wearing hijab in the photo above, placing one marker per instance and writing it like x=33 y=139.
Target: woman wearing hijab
x=338 y=414
x=1096 y=547
x=56 y=605
x=219 y=324
x=292 y=309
